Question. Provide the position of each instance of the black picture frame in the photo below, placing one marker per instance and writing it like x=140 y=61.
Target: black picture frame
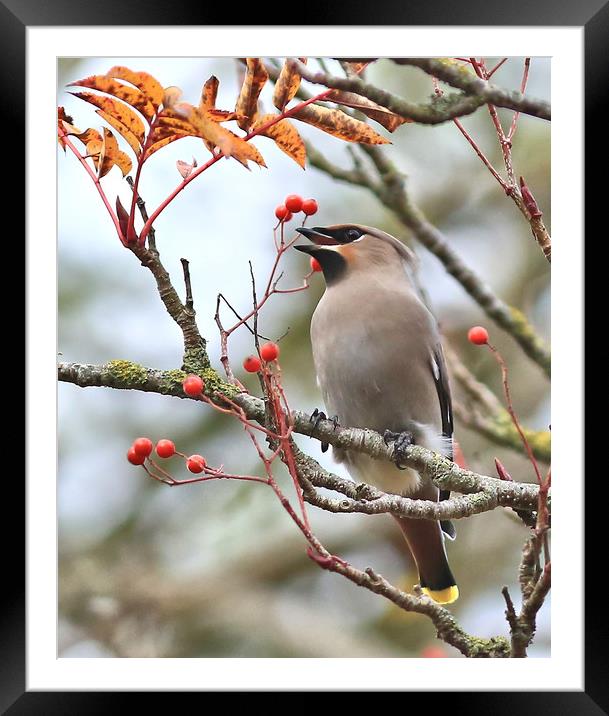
x=15 y=17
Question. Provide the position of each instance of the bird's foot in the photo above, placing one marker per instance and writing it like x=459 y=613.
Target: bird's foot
x=401 y=441
x=316 y=417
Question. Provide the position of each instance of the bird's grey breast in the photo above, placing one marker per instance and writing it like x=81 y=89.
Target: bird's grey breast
x=372 y=356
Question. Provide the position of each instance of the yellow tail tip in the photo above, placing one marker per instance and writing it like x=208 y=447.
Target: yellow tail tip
x=443 y=596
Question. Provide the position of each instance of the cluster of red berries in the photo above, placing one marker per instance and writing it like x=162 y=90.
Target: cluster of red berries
x=478 y=335
x=268 y=352
x=294 y=204
x=141 y=448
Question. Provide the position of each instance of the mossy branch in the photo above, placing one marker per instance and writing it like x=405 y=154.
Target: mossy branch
x=486 y=492
x=459 y=76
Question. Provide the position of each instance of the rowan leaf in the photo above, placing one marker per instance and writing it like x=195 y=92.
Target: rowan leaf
x=247 y=103
x=147 y=84
x=223 y=115
x=287 y=84
x=228 y=143
x=169 y=127
x=131 y=139
x=170 y=119
x=132 y=96
x=171 y=96
x=126 y=120
x=85 y=137
x=339 y=125
x=153 y=148
x=209 y=93
x=185 y=168
x=64 y=124
x=111 y=155
x=382 y=115
x=286 y=137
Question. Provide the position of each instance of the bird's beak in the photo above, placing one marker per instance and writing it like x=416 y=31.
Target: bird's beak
x=311 y=250
x=318 y=236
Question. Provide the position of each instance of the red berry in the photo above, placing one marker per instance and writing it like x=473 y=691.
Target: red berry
x=252 y=364
x=142 y=446
x=269 y=351
x=433 y=652
x=165 y=448
x=309 y=207
x=134 y=457
x=196 y=463
x=288 y=217
x=193 y=385
x=478 y=335
x=281 y=212
x=315 y=265
x=294 y=203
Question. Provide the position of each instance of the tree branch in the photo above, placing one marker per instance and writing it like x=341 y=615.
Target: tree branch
x=445 y=474
x=438 y=111
x=461 y=78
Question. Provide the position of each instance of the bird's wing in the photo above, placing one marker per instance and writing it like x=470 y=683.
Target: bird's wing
x=440 y=375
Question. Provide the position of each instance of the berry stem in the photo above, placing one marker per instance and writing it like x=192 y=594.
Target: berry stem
x=512 y=412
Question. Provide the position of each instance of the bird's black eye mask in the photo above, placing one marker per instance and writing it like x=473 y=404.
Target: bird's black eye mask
x=343 y=235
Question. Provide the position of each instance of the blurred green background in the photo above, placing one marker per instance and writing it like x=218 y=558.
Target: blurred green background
x=219 y=569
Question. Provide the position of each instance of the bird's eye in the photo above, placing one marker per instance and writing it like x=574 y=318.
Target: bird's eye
x=352 y=234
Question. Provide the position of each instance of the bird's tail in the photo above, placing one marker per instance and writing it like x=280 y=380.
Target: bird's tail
x=426 y=543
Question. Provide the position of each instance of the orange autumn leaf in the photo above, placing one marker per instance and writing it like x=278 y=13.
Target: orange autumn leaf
x=228 y=143
x=170 y=126
x=153 y=148
x=286 y=137
x=170 y=119
x=287 y=85
x=209 y=93
x=65 y=123
x=130 y=95
x=89 y=135
x=247 y=103
x=382 y=115
x=125 y=119
x=131 y=139
x=106 y=154
x=147 y=84
x=223 y=115
x=339 y=125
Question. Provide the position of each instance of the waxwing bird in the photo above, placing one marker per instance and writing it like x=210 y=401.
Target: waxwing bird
x=379 y=363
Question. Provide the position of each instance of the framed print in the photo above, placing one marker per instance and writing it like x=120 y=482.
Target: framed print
x=183 y=342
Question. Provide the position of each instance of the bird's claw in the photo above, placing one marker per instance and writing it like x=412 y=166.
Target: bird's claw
x=400 y=441
x=316 y=417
